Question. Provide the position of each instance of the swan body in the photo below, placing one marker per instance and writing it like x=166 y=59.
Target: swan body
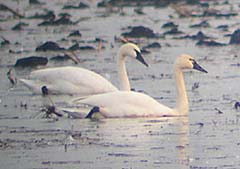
x=127 y=104
x=80 y=81
x=133 y=104
x=68 y=80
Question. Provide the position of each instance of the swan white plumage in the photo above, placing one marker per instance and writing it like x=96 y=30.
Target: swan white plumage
x=133 y=104
x=80 y=81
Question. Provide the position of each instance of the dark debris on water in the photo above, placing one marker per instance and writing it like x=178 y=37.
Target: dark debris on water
x=31 y=61
x=210 y=43
x=140 y=32
x=49 y=15
x=63 y=20
x=49 y=46
x=81 y=5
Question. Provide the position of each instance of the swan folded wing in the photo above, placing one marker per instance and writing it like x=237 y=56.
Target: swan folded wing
x=127 y=104
x=73 y=80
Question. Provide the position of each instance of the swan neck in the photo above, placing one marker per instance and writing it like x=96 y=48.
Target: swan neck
x=122 y=73
x=182 y=99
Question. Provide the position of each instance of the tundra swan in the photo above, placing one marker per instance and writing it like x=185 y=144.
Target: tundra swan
x=133 y=104
x=80 y=81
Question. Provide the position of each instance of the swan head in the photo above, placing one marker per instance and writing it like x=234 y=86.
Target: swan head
x=132 y=50
x=185 y=61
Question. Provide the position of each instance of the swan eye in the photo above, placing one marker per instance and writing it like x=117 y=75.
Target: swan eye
x=193 y=61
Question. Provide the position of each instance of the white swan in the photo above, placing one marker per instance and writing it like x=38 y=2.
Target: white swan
x=75 y=80
x=134 y=104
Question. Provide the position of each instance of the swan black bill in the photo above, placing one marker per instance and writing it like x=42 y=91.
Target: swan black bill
x=92 y=111
x=198 y=67
x=140 y=58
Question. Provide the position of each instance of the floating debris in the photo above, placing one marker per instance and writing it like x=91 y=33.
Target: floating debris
x=218 y=111
x=87 y=48
x=173 y=31
x=139 y=11
x=235 y=37
x=73 y=57
x=35 y=2
x=31 y=61
x=137 y=3
x=169 y=25
x=75 y=33
x=63 y=20
x=49 y=46
x=74 y=47
x=140 y=32
x=47 y=16
x=210 y=43
x=195 y=86
x=199 y=36
x=80 y=6
x=60 y=58
x=19 y=26
x=153 y=45
x=203 y=24
x=223 y=27
x=77 y=47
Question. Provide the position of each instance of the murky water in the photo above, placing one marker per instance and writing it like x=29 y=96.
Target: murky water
x=207 y=138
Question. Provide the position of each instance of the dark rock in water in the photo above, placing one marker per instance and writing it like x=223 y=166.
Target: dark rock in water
x=49 y=46
x=97 y=40
x=86 y=48
x=36 y=2
x=74 y=47
x=77 y=47
x=199 y=36
x=169 y=25
x=137 y=3
x=75 y=33
x=203 y=24
x=19 y=26
x=63 y=20
x=80 y=6
x=209 y=43
x=223 y=27
x=31 y=61
x=204 y=4
x=140 y=32
x=153 y=45
x=48 y=16
x=173 y=31
x=235 y=37
x=60 y=58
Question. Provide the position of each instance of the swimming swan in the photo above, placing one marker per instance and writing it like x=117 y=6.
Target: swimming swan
x=80 y=81
x=133 y=104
